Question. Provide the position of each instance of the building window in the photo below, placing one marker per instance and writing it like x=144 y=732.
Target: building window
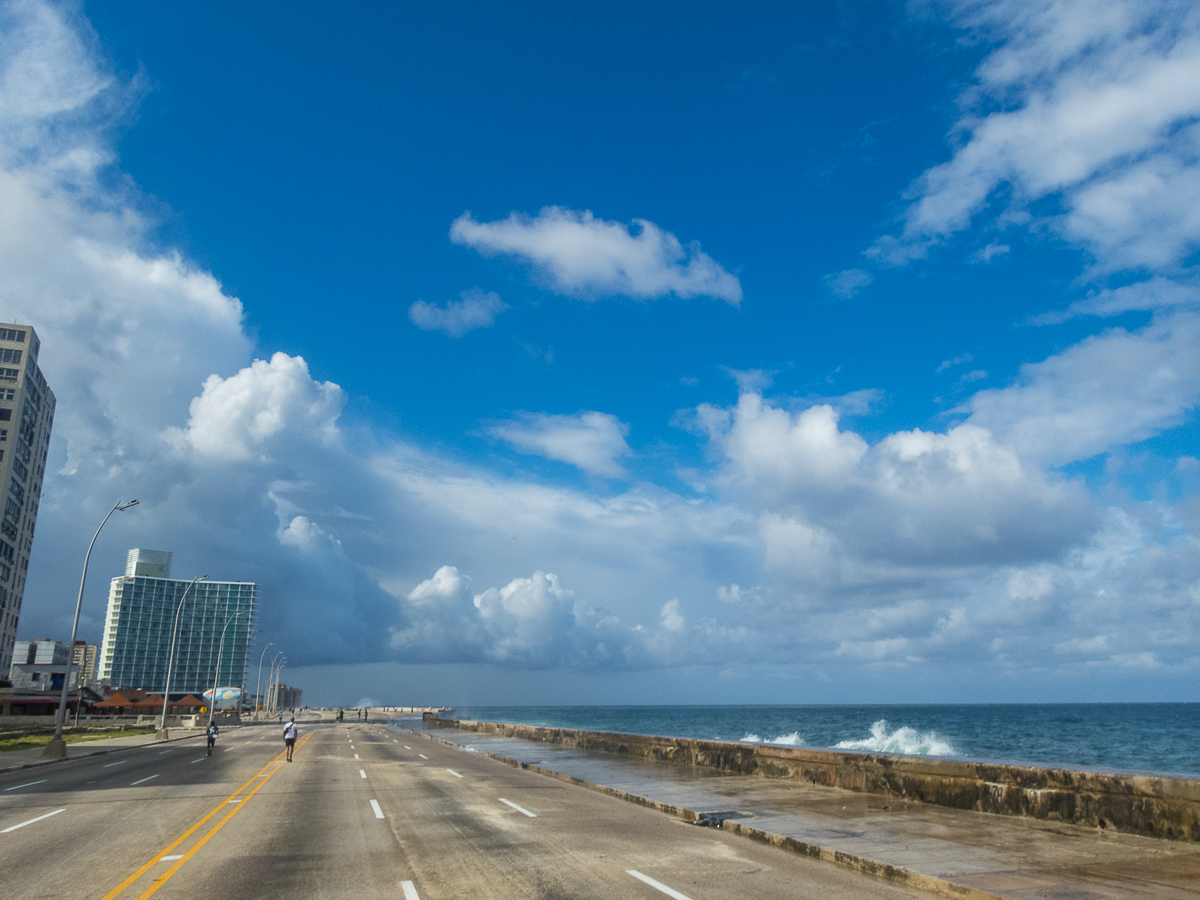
x=13 y=357
x=4 y=432
x=12 y=334
x=16 y=490
x=10 y=374
x=5 y=415
x=8 y=393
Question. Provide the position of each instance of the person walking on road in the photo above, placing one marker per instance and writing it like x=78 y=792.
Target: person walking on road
x=212 y=732
x=289 y=737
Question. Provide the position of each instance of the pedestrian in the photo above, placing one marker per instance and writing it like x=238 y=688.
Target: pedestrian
x=212 y=733
x=364 y=715
x=289 y=737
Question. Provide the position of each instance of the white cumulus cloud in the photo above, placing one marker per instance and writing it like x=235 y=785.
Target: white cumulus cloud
x=474 y=309
x=582 y=256
x=591 y=441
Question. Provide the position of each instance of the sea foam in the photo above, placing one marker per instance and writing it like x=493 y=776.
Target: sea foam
x=788 y=740
x=902 y=740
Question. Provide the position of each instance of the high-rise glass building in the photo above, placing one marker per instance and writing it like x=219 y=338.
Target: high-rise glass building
x=26 y=414
x=141 y=614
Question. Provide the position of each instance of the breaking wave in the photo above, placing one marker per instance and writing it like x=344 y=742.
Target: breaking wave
x=789 y=740
x=902 y=740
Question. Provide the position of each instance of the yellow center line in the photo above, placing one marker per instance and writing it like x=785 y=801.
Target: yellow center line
x=183 y=837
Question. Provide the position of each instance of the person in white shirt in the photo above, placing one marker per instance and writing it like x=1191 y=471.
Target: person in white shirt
x=289 y=737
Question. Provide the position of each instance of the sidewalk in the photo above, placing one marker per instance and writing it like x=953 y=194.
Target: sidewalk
x=946 y=851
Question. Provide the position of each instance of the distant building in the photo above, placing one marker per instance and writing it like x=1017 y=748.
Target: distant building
x=288 y=697
x=40 y=665
x=26 y=415
x=84 y=659
x=141 y=615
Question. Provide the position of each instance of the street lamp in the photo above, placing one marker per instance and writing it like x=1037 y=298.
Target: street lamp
x=258 y=681
x=56 y=748
x=212 y=707
x=162 y=728
x=271 y=682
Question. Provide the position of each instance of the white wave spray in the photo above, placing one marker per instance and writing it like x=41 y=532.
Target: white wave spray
x=902 y=740
x=787 y=740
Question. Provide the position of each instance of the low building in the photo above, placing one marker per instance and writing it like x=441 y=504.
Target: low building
x=40 y=665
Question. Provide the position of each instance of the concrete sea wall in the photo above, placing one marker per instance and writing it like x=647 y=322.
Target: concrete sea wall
x=1137 y=804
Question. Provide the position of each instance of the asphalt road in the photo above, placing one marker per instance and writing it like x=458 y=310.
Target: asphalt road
x=363 y=813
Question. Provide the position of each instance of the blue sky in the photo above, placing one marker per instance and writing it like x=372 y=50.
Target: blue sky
x=659 y=353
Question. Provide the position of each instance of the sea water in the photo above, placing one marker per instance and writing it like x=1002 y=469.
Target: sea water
x=1125 y=737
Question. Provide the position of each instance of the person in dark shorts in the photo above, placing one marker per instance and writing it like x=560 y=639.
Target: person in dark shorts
x=289 y=737
x=212 y=731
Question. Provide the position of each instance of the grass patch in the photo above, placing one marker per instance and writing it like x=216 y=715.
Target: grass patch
x=33 y=741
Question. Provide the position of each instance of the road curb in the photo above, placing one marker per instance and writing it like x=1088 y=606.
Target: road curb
x=884 y=871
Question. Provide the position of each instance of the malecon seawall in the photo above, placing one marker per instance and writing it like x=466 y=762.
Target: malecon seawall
x=1155 y=806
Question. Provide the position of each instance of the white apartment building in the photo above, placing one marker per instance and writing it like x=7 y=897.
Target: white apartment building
x=26 y=415
x=215 y=624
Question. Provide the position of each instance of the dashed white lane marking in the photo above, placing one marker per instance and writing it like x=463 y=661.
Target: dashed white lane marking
x=144 y=780
x=406 y=747
x=394 y=741
x=165 y=858
x=422 y=755
x=201 y=759
x=378 y=811
x=351 y=746
x=455 y=774
x=161 y=752
x=519 y=809
x=356 y=756
x=227 y=749
x=31 y=821
x=410 y=892
x=17 y=787
x=362 y=772
x=238 y=800
x=110 y=765
x=657 y=885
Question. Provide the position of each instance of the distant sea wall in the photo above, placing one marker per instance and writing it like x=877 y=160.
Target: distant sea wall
x=1136 y=804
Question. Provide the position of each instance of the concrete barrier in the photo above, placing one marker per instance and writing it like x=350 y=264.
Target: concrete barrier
x=1151 y=805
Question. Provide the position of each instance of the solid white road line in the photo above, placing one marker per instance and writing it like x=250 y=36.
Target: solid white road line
x=17 y=787
x=455 y=774
x=110 y=765
x=31 y=821
x=657 y=885
x=410 y=892
x=362 y=772
x=519 y=809
x=378 y=811
x=144 y=780
x=422 y=755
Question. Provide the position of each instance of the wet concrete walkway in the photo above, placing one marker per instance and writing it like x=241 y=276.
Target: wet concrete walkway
x=949 y=850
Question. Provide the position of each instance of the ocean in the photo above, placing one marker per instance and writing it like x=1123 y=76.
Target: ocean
x=1160 y=738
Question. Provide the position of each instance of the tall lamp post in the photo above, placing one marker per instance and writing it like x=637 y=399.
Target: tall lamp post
x=56 y=748
x=162 y=726
x=271 y=683
x=212 y=707
x=258 y=681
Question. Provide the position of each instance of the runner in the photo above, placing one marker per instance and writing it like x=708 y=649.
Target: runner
x=212 y=733
x=289 y=737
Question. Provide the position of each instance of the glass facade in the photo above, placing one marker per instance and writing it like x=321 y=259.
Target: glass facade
x=137 y=633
